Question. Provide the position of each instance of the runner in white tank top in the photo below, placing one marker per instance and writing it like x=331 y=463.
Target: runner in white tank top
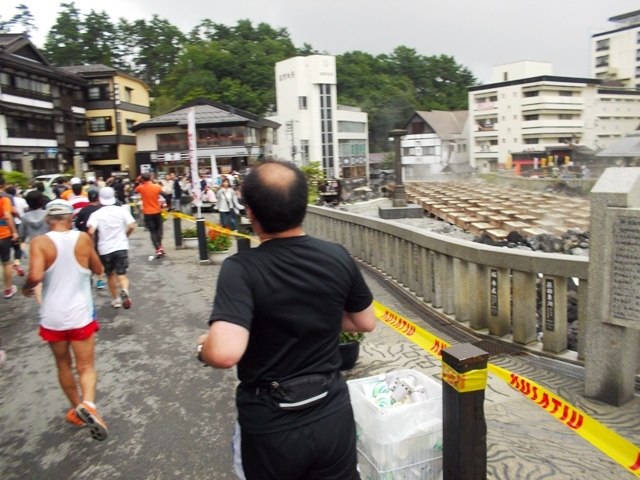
x=62 y=260
x=67 y=302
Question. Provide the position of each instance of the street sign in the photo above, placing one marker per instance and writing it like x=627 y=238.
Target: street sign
x=51 y=152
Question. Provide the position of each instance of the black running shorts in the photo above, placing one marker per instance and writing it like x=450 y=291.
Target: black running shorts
x=6 y=244
x=117 y=261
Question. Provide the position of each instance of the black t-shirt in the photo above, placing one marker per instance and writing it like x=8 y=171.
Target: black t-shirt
x=290 y=294
x=83 y=217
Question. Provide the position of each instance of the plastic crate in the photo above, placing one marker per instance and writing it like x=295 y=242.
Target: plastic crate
x=402 y=435
x=427 y=470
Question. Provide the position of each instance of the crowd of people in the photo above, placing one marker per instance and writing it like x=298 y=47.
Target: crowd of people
x=278 y=312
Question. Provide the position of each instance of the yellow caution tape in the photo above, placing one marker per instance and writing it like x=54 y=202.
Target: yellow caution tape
x=606 y=440
x=210 y=225
x=470 y=381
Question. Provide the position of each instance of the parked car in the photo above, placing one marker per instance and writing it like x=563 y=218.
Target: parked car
x=50 y=181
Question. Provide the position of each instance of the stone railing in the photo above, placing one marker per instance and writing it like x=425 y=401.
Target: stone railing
x=580 y=186
x=492 y=290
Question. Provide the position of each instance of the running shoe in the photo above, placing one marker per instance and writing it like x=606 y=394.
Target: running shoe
x=100 y=284
x=126 y=299
x=73 y=419
x=159 y=252
x=11 y=292
x=18 y=270
x=89 y=415
x=116 y=303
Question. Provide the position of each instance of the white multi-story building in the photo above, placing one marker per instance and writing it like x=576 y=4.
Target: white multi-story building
x=528 y=109
x=435 y=140
x=314 y=126
x=615 y=54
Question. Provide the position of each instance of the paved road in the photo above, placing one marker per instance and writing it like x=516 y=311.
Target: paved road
x=169 y=417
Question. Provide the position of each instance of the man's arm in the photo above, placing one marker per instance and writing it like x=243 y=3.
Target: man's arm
x=130 y=228
x=95 y=265
x=36 y=265
x=225 y=344
x=8 y=216
x=364 y=321
x=92 y=233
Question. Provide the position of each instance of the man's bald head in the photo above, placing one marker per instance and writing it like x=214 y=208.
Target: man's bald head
x=276 y=193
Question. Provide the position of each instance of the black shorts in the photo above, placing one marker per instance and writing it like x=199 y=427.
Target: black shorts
x=117 y=261
x=323 y=450
x=6 y=245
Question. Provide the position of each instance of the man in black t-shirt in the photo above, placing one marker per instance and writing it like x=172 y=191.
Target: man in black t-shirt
x=277 y=314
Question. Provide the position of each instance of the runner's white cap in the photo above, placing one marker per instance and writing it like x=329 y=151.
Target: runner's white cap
x=75 y=180
x=107 y=196
x=58 y=207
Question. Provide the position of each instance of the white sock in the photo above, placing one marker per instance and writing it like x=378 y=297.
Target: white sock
x=91 y=404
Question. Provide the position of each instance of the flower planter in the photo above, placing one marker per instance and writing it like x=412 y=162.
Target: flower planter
x=218 y=257
x=190 y=242
x=349 y=351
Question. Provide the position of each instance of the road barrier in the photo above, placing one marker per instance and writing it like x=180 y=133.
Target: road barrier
x=604 y=439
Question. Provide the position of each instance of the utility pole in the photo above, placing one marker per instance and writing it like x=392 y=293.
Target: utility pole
x=291 y=131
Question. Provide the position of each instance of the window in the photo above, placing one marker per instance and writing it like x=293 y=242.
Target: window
x=638 y=37
x=493 y=98
x=100 y=124
x=564 y=140
x=505 y=76
x=302 y=103
x=358 y=127
x=357 y=148
x=602 y=45
x=515 y=117
x=128 y=94
x=566 y=93
x=172 y=141
x=515 y=94
x=504 y=140
x=602 y=61
x=534 y=93
x=565 y=116
x=493 y=142
x=637 y=72
x=515 y=140
x=326 y=129
x=529 y=118
x=5 y=78
x=304 y=152
x=408 y=151
x=130 y=123
x=638 y=55
x=103 y=152
x=98 y=92
x=531 y=141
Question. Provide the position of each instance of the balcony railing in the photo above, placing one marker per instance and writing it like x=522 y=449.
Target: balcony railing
x=22 y=92
x=486 y=106
x=21 y=133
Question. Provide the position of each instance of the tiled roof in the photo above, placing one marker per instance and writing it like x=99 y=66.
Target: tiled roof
x=207 y=113
x=628 y=146
x=445 y=124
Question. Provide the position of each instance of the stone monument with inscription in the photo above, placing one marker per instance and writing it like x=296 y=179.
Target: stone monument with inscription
x=612 y=353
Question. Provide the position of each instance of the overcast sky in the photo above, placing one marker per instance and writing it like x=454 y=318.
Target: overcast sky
x=479 y=34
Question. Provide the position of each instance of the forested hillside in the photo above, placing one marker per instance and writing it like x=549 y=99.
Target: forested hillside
x=235 y=65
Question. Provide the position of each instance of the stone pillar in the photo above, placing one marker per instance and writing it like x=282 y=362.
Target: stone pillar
x=613 y=320
x=554 y=314
x=78 y=159
x=446 y=280
x=27 y=168
x=478 y=303
x=499 y=308
x=436 y=280
x=583 y=306
x=461 y=290
x=524 y=307
x=425 y=275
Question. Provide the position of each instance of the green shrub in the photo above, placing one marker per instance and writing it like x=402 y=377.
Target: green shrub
x=15 y=177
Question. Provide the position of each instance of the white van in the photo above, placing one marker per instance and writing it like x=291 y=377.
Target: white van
x=50 y=181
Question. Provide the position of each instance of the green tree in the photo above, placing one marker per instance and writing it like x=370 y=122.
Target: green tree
x=63 y=45
x=98 y=38
x=24 y=18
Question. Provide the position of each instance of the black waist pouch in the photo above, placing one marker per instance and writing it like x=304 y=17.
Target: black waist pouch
x=300 y=392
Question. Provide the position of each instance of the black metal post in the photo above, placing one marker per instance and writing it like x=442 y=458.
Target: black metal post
x=202 y=241
x=464 y=426
x=177 y=232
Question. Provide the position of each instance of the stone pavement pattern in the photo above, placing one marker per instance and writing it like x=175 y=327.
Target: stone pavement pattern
x=169 y=417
